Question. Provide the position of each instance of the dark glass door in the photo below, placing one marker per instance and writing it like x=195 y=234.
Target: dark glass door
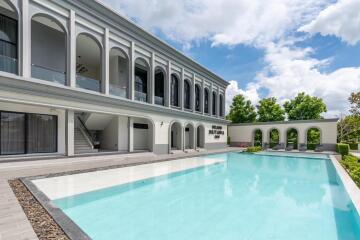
x=41 y=133
x=12 y=135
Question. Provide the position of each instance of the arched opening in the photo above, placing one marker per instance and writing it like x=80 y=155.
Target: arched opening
x=292 y=138
x=257 y=138
x=221 y=107
x=189 y=136
x=197 y=98
x=175 y=136
x=187 y=94
x=8 y=38
x=274 y=136
x=88 y=63
x=118 y=73
x=200 y=136
x=159 y=86
x=313 y=138
x=174 y=90
x=214 y=95
x=142 y=71
x=143 y=134
x=48 y=49
x=206 y=101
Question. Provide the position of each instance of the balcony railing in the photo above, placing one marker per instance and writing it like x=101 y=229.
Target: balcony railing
x=159 y=100
x=87 y=83
x=118 y=91
x=140 y=96
x=8 y=64
x=48 y=74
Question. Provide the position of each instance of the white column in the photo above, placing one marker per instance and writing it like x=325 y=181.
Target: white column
x=105 y=83
x=132 y=71
x=202 y=99
x=181 y=99
x=72 y=51
x=193 y=93
x=70 y=128
x=168 y=85
x=131 y=134
x=152 y=78
x=26 y=40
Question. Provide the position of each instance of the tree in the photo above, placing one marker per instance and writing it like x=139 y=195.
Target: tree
x=354 y=100
x=349 y=129
x=241 y=110
x=268 y=110
x=304 y=107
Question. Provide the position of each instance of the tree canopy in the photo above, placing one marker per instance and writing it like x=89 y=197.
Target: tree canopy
x=354 y=100
x=241 y=110
x=268 y=110
x=304 y=107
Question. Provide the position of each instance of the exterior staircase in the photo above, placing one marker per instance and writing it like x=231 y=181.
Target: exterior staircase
x=81 y=143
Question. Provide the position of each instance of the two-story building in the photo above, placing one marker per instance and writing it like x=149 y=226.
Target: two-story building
x=76 y=77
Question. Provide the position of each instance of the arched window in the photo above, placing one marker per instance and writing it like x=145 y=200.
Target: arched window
x=88 y=63
x=174 y=90
x=159 y=86
x=313 y=137
x=214 y=103
x=141 y=80
x=292 y=138
x=48 y=49
x=197 y=98
x=206 y=100
x=221 y=107
x=118 y=73
x=257 y=138
x=274 y=137
x=8 y=38
x=187 y=94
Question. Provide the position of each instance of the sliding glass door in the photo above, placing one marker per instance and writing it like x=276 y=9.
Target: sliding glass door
x=23 y=133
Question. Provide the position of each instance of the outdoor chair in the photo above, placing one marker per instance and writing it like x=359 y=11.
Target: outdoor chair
x=290 y=147
x=277 y=147
x=302 y=147
x=319 y=148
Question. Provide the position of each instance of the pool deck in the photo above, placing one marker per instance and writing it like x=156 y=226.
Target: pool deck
x=14 y=224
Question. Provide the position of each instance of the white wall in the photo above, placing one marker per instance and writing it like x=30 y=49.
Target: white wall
x=109 y=136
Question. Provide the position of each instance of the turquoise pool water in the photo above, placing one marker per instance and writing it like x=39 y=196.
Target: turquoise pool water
x=248 y=197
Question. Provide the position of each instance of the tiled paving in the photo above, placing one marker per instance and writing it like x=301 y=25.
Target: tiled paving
x=14 y=224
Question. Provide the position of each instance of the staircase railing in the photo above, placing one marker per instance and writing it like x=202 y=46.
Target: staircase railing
x=86 y=133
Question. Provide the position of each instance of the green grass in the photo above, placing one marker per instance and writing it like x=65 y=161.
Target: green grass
x=352 y=165
x=253 y=149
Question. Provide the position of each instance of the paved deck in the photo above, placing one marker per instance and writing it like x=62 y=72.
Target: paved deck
x=14 y=224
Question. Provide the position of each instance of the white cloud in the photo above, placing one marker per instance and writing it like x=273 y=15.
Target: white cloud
x=250 y=93
x=341 y=20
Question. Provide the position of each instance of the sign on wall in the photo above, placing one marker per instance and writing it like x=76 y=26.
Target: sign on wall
x=216 y=131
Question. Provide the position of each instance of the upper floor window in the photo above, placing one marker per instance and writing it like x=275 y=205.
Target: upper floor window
x=187 y=94
x=8 y=38
x=159 y=86
x=141 y=80
x=197 y=98
x=214 y=103
x=221 y=107
x=118 y=73
x=206 y=100
x=174 y=90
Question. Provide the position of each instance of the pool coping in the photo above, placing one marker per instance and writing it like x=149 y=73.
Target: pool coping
x=74 y=232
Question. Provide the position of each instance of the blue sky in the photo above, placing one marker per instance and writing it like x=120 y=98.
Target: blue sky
x=263 y=48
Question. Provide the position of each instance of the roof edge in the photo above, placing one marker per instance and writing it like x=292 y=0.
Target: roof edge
x=286 y=122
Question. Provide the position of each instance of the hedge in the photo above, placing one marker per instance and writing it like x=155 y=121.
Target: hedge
x=311 y=146
x=254 y=149
x=343 y=149
x=352 y=165
x=354 y=146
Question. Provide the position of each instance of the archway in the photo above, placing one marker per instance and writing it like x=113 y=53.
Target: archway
x=142 y=71
x=187 y=94
x=292 y=137
x=159 y=86
x=257 y=138
x=189 y=136
x=176 y=136
x=274 y=137
x=313 y=138
x=88 y=63
x=200 y=136
x=143 y=134
x=174 y=88
x=118 y=73
x=8 y=38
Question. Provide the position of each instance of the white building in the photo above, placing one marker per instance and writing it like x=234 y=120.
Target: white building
x=76 y=77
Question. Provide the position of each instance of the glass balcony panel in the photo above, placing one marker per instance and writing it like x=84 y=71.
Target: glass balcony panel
x=118 y=91
x=159 y=100
x=48 y=74
x=140 y=96
x=87 y=83
x=8 y=64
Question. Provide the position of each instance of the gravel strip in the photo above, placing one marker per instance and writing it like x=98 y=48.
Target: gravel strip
x=43 y=224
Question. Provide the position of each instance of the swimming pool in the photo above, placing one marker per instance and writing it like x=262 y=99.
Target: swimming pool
x=247 y=196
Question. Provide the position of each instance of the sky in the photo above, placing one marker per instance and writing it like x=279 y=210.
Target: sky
x=263 y=48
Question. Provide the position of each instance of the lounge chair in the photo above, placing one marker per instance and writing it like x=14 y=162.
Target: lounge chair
x=289 y=147
x=319 y=148
x=277 y=147
x=302 y=147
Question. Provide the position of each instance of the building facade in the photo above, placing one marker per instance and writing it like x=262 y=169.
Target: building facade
x=75 y=77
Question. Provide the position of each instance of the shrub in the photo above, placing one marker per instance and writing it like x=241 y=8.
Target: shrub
x=254 y=149
x=354 y=146
x=352 y=165
x=343 y=149
x=311 y=146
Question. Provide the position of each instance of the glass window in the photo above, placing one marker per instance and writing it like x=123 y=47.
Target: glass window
x=12 y=135
x=8 y=44
x=187 y=94
x=206 y=101
x=41 y=133
x=174 y=91
x=197 y=98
